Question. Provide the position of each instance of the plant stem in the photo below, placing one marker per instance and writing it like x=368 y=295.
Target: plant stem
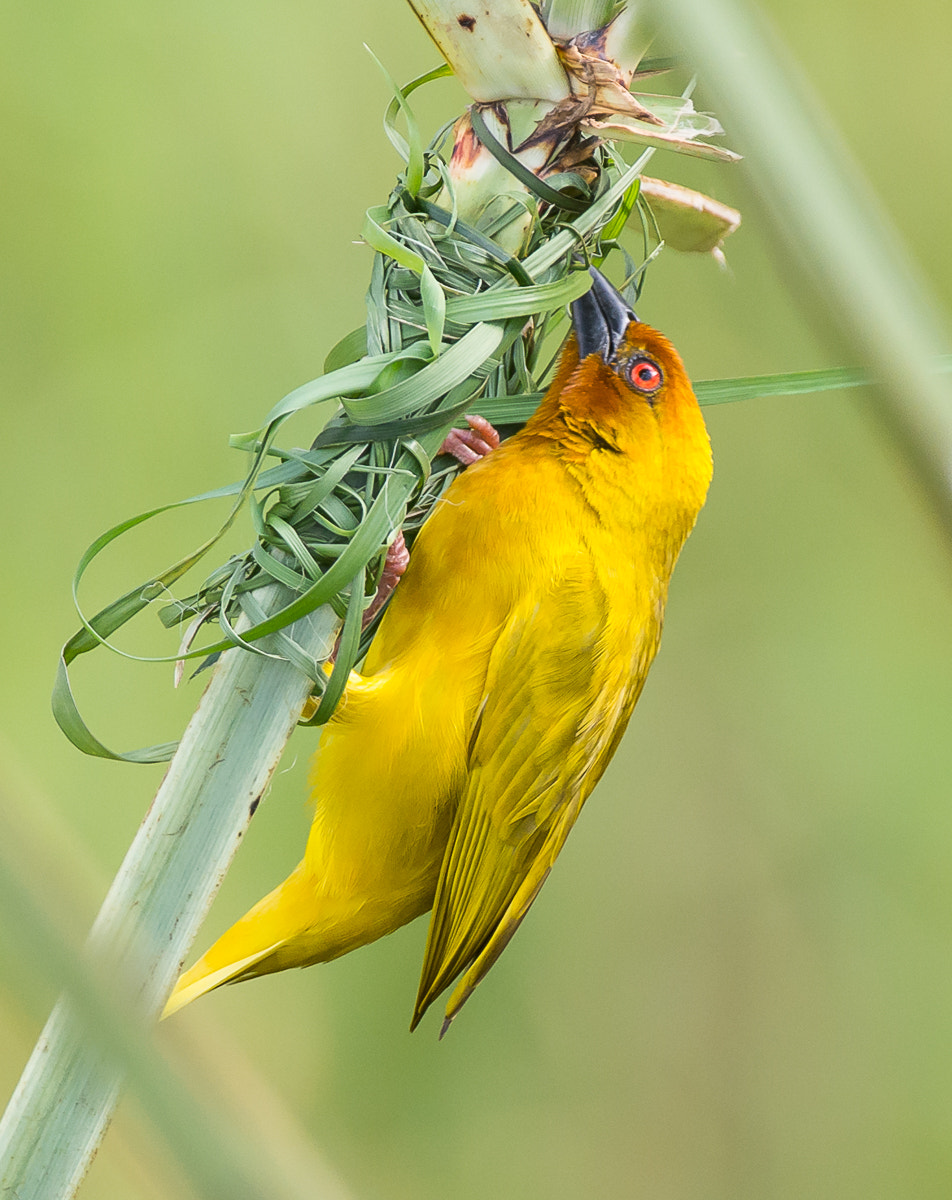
x=830 y=229
x=64 y=1101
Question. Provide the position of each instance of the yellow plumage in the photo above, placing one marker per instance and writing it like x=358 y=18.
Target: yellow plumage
x=500 y=681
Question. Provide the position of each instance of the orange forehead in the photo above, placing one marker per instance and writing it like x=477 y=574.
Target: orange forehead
x=642 y=339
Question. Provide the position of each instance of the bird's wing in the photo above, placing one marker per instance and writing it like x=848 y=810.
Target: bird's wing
x=554 y=705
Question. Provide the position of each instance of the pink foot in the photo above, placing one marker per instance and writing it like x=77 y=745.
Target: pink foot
x=395 y=564
x=470 y=445
x=398 y=556
x=466 y=446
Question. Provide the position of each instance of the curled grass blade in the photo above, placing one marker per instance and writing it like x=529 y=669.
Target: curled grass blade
x=448 y=308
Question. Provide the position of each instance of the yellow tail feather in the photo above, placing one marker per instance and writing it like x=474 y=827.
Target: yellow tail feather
x=298 y=924
x=196 y=982
x=253 y=945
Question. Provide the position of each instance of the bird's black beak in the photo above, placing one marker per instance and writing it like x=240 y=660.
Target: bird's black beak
x=601 y=318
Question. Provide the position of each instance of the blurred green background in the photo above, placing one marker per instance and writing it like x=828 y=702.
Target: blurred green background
x=737 y=983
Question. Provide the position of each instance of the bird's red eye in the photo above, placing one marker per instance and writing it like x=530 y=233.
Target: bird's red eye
x=644 y=375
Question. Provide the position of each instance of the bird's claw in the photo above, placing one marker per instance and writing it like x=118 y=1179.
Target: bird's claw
x=470 y=445
x=467 y=446
x=398 y=557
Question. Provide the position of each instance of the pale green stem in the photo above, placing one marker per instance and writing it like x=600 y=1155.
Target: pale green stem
x=225 y=1153
x=173 y=869
x=504 y=54
x=565 y=18
x=835 y=238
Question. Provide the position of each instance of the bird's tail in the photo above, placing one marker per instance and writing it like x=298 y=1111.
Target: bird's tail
x=278 y=932
x=301 y=922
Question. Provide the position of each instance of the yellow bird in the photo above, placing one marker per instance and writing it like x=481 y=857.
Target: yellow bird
x=502 y=676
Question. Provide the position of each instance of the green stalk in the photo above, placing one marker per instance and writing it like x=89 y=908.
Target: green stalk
x=835 y=240
x=479 y=48
x=59 y=1112
x=225 y=1153
x=565 y=18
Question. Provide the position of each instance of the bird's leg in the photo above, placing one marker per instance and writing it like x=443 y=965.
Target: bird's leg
x=466 y=446
x=470 y=445
x=398 y=556
x=394 y=565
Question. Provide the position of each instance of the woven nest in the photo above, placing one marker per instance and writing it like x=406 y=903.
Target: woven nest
x=455 y=325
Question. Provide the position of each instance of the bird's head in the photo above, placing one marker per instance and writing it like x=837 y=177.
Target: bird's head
x=621 y=390
x=621 y=384
x=612 y=352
